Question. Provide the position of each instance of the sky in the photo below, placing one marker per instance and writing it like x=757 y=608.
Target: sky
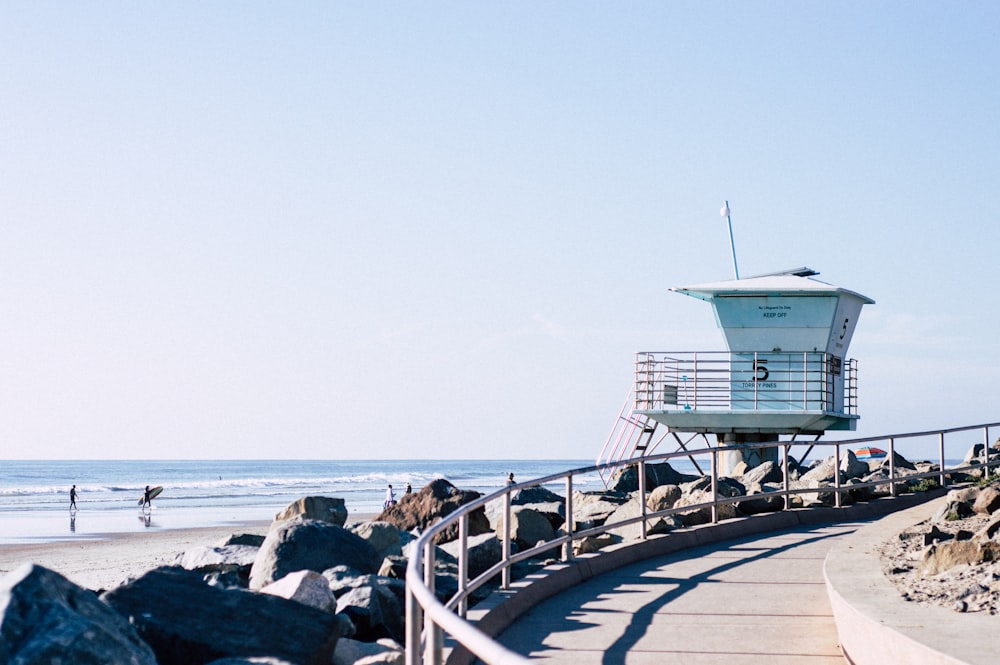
x=330 y=230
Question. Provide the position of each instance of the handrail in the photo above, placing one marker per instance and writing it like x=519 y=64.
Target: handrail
x=427 y=617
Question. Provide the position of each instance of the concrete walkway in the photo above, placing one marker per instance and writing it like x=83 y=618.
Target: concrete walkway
x=754 y=600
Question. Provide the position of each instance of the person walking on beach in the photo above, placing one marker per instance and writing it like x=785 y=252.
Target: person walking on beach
x=72 y=498
x=146 y=501
x=390 y=498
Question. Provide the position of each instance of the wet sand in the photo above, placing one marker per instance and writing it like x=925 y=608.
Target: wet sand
x=107 y=562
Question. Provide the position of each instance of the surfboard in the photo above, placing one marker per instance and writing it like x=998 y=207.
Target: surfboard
x=153 y=493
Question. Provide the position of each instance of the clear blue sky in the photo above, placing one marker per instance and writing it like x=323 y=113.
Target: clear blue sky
x=383 y=230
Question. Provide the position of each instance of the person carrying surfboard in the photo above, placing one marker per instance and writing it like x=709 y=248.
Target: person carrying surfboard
x=146 y=499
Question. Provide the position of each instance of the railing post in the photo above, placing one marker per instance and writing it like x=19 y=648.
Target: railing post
x=836 y=474
x=892 y=466
x=505 y=575
x=642 y=496
x=986 y=452
x=568 y=550
x=944 y=476
x=784 y=463
x=715 y=485
x=432 y=634
x=414 y=621
x=463 y=562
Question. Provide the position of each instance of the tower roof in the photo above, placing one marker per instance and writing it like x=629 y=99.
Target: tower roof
x=786 y=283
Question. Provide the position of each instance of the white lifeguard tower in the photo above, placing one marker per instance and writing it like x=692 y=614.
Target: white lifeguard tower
x=786 y=371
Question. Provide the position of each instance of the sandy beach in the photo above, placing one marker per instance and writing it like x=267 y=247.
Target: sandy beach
x=106 y=563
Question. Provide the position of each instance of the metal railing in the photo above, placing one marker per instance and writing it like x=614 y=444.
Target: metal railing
x=428 y=618
x=750 y=381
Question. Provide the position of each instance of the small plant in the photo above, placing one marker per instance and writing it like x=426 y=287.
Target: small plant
x=925 y=485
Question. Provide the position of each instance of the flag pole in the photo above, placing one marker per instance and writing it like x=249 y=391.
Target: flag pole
x=725 y=213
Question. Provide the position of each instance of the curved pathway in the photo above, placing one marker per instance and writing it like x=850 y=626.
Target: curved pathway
x=754 y=600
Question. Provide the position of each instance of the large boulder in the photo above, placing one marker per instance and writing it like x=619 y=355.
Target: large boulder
x=634 y=531
x=663 y=498
x=304 y=586
x=45 y=618
x=527 y=527
x=207 y=559
x=380 y=652
x=592 y=509
x=322 y=508
x=439 y=498
x=627 y=480
x=188 y=622
x=767 y=472
x=484 y=551
x=309 y=545
x=375 y=611
x=387 y=539
x=988 y=500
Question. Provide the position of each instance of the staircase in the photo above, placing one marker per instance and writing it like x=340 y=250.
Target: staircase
x=632 y=435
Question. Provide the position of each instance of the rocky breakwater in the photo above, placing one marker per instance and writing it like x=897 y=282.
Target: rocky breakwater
x=313 y=590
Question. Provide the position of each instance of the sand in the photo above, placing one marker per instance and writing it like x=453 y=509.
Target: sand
x=106 y=563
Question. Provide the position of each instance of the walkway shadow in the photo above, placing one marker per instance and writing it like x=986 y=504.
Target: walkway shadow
x=642 y=617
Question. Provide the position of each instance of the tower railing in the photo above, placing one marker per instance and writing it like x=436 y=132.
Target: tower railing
x=428 y=618
x=745 y=381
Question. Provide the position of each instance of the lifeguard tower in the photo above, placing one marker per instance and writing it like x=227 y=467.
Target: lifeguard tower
x=786 y=371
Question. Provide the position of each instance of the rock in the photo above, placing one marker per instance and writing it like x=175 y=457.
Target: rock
x=941 y=557
x=663 y=498
x=627 y=479
x=250 y=539
x=304 y=586
x=988 y=501
x=188 y=622
x=439 y=498
x=45 y=618
x=341 y=585
x=989 y=530
x=899 y=462
x=593 y=543
x=206 y=559
x=850 y=467
x=385 y=538
x=767 y=472
x=952 y=510
x=309 y=545
x=527 y=527
x=703 y=515
x=321 y=508
x=393 y=566
x=485 y=550
x=592 y=509
x=375 y=612
x=251 y=660
x=382 y=652
x=973 y=455
x=531 y=495
x=633 y=531
x=761 y=500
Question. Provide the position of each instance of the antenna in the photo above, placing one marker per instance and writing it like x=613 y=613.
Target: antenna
x=725 y=213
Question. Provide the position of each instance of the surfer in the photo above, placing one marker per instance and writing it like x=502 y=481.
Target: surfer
x=72 y=498
x=390 y=498
x=146 y=500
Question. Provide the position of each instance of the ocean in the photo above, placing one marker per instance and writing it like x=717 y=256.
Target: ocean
x=34 y=495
